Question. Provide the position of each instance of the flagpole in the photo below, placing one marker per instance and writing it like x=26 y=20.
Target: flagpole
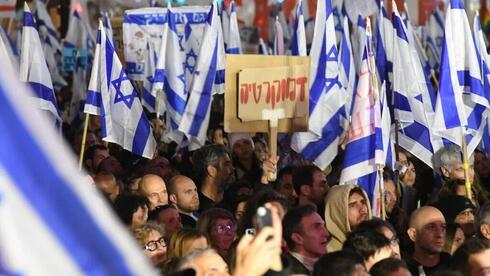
x=397 y=158
x=466 y=167
x=374 y=87
x=157 y=109
x=84 y=137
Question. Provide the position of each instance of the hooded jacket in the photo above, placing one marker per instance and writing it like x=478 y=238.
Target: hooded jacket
x=336 y=214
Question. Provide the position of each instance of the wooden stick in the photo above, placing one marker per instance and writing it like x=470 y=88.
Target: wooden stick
x=84 y=137
x=382 y=191
x=273 y=117
x=466 y=167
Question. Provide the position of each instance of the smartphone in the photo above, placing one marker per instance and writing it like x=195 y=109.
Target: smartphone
x=264 y=217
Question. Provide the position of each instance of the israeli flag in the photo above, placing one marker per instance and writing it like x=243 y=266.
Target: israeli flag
x=195 y=119
x=263 y=48
x=320 y=143
x=51 y=43
x=414 y=99
x=435 y=35
x=385 y=52
x=121 y=112
x=8 y=48
x=347 y=73
x=108 y=29
x=33 y=67
x=174 y=88
x=298 y=41
x=225 y=24
x=93 y=101
x=148 y=98
x=234 y=44
x=53 y=221
x=364 y=146
x=461 y=102
x=219 y=78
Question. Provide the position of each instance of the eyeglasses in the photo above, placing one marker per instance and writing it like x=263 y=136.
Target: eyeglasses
x=220 y=229
x=153 y=245
x=394 y=240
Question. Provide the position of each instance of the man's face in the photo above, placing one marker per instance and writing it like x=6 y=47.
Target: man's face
x=210 y=264
x=156 y=191
x=357 y=210
x=457 y=171
x=466 y=220
x=390 y=196
x=314 y=236
x=432 y=234
x=186 y=195
x=170 y=220
x=287 y=188
x=225 y=171
x=319 y=187
x=480 y=263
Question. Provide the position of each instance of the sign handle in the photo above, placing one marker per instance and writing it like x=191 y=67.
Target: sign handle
x=273 y=116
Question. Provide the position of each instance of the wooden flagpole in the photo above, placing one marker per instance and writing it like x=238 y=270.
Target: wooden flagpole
x=84 y=137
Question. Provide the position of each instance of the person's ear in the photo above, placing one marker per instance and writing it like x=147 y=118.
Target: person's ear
x=445 y=171
x=297 y=239
x=172 y=198
x=412 y=234
x=212 y=171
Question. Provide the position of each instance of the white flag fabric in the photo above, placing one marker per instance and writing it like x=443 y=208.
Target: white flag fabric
x=93 y=101
x=171 y=78
x=122 y=117
x=149 y=96
x=413 y=100
x=298 y=40
x=53 y=221
x=108 y=29
x=347 y=73
x=195 y=119
x=320 y=143
x=8 y=48
x=461 y=101
x=234 y=44
x=434 y=30
x=278 y=38
x=33 y=67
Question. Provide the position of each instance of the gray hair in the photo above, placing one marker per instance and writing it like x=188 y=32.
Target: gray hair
x=187 y=261
x=448 y=154
x=205 y=156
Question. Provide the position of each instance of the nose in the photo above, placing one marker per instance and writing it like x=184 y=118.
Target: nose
x=294 y=194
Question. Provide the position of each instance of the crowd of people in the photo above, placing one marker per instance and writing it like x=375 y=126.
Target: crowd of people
x=196 y=212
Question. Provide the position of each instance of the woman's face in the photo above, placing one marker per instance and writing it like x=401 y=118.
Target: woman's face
x=458 y=240
x=156 y=248
x=410 y=175
x=240 y=210
x=223 y=234
x=243 y=149
x=140 y=216
x=261 y=152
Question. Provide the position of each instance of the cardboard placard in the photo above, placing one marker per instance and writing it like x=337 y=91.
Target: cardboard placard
x=241 y=64
x=272 y=89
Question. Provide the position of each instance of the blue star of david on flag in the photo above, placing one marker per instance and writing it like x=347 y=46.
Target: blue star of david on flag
x=120 y=97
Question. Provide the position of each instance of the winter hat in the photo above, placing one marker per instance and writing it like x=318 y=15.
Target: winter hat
x=237 y=136
x=451 y=205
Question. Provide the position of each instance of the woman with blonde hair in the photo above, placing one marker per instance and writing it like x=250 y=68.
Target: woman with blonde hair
x=150 y=237
x=184 y=241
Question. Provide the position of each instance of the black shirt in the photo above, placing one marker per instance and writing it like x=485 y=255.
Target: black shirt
x=413 y=265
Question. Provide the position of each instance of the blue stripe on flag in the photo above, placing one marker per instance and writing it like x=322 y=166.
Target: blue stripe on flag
x=420 y=134
x=319 y=81
x=29 y=20
x=205 y=98
x=148 y=98
x=44 y=92
x=143 y=131
x=93 y=98
x=234 y=51
x=457 y=4
x=175 y=101
x=398 y=25
x=466 y=80
x=220 y=77
x=447 y=93
x=159 y=76
x=72 y=226
x=160 y=19
x=401 y=102
x=329 y=133
x=361 y=150
x=368 y=183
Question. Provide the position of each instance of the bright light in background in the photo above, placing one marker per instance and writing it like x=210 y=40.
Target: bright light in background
x=219 y=2
x=280 y=1
x=181 y=2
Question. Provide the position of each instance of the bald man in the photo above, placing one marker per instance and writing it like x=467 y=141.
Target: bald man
x=153 y=187
x=182 y=193
x=427 y=230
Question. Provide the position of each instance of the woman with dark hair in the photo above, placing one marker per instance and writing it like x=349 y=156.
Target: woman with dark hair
x=220 y=226
x=454 y=238
x=132 y=209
